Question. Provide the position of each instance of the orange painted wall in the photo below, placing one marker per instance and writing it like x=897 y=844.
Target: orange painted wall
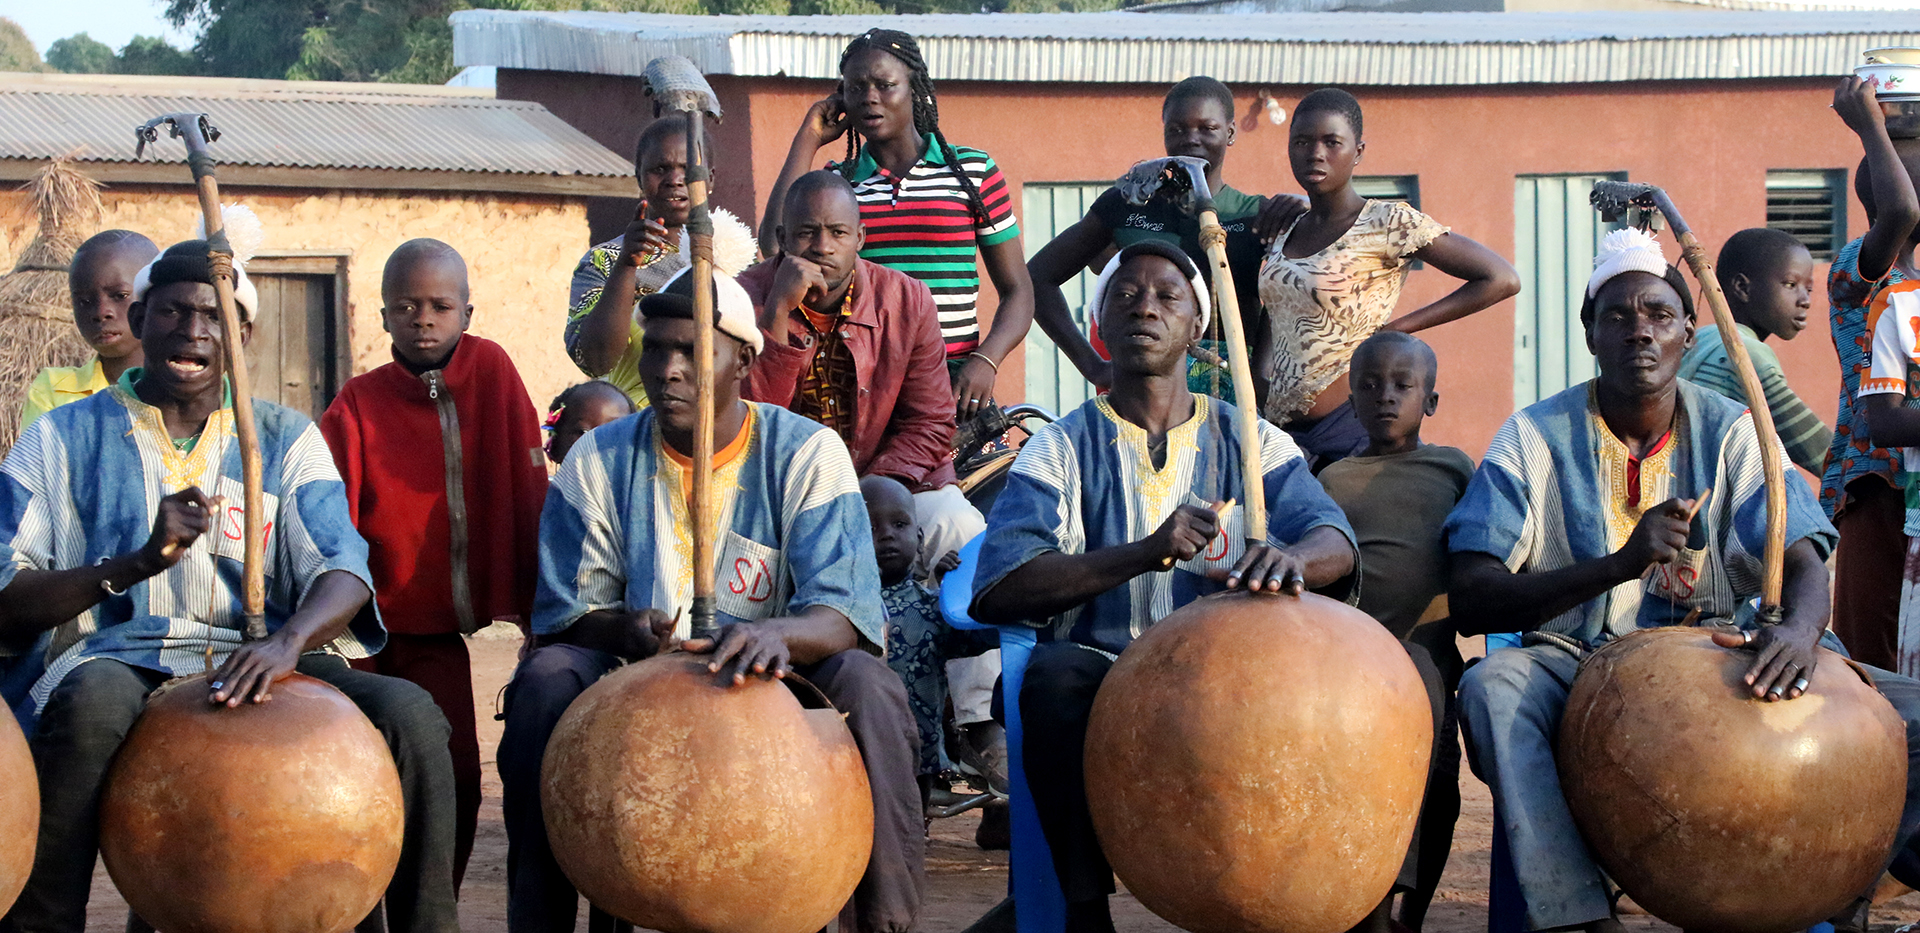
x=1709 y=143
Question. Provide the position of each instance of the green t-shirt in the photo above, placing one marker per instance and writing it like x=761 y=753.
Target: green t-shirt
x=1398 y=506
x=1801 y=431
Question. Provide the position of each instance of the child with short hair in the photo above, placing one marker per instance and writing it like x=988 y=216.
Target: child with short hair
x=1397 y=493
x=581 y=408
x=919 y=641
x=1768 y=279
x=100 y=281
x=453 y=527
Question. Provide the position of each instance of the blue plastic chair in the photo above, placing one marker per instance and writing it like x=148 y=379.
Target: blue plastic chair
x=1039 y=905
x=1506 y=909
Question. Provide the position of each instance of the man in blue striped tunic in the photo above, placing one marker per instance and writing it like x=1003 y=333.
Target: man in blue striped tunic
x=1580 y=527
x=1115 y=516
x=798 y=589
x=121 y=523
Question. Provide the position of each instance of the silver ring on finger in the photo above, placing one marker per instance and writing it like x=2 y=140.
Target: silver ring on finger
x=1800 y=685
x=1746 y=636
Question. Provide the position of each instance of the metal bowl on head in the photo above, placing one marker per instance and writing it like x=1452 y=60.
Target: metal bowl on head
x=1903 y=118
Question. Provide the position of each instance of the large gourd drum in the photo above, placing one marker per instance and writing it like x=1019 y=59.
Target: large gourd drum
x=278 y=817
x=1255 y=764
x=19 y=810
x=684 y=804
x=1719 y=812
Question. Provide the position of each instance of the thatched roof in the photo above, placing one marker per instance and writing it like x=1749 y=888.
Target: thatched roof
x=36 y=312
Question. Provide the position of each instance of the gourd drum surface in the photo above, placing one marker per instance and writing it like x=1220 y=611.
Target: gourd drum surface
x=1255 y=764
x=686 y=805
x=1721 y=813
x=19 y=810
x=279 y=817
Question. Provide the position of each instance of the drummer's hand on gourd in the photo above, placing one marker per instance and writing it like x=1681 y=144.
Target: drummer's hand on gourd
x=745 y=648
x=1659 y=537
x=250 y=672
x=649 y=632
x=1278 y=213
x=1859 y=106
x=1268 y=569
x=1185 y=533
x=643 y=237
x=182 y=519
x=1783 y=658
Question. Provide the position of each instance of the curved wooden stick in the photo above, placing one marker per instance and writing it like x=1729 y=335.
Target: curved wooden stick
x=194 y=130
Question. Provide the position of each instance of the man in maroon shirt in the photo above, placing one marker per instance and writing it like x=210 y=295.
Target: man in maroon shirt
x=856 y=346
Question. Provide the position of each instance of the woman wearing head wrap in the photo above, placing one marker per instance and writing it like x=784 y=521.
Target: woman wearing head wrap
x=926 y=203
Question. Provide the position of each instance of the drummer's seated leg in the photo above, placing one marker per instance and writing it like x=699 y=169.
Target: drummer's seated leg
x=1904 y=694
x=1056 y=700
x=540 y=899
x=420 y=899
x=81 y=728
x=1510 y=704
x=874 y=700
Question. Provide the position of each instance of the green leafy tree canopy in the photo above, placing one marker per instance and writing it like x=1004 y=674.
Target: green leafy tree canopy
x=16 y=50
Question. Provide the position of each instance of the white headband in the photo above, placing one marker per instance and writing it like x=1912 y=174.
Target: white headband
x=245 y=235
x=1628 y=250
x=1098 y=296
x=732 y=307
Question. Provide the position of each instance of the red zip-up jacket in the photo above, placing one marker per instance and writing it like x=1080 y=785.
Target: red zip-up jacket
x=405 y=444
x=903 y=415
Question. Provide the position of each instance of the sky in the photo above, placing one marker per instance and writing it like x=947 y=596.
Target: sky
x=113 y=22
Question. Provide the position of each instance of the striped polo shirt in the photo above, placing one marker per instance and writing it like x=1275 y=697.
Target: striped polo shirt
x=923 y=225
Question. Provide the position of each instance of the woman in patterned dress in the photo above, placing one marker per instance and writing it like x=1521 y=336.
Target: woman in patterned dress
x=1333 y=276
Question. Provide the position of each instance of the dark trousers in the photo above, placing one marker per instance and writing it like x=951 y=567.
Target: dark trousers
x=440 y=665
x=88 y=717
x=1441 y=810
x=1868 y=565
x=540 y=899
x=1056 y=700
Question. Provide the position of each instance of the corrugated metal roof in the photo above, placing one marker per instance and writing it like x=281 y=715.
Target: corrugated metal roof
x=1295 y=48
x=298 y=124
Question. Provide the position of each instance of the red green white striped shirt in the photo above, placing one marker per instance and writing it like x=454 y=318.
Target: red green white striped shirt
x=924 y=225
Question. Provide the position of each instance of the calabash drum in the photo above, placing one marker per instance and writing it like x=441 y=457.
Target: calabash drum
x=280 y=817
x=1719 y=812
x=19 y=810
x=687 y=805
x=1255 y=764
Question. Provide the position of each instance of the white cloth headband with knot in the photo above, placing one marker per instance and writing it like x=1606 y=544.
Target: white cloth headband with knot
x=1098 y=296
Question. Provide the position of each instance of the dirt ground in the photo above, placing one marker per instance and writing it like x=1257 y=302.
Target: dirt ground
x=964 y=881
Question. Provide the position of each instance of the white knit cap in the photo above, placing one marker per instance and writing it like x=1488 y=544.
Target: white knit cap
x=245 y=234
x=731 y=306
x=1628 y=250
x=1167 y=251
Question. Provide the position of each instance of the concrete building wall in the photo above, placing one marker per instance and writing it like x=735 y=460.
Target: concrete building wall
x=520 y=252
x=1709 y=142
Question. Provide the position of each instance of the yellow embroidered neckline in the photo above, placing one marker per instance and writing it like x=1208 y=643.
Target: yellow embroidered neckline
x=183 y=468
x=1155 y=483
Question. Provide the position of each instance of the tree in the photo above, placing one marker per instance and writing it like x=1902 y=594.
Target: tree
x=16 y=50
x=81 y=54
x=151 y=55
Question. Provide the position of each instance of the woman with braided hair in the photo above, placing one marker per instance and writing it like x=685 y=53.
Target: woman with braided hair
x=927 y=204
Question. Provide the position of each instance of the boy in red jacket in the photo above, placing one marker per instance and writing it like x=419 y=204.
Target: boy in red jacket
x=453 y=526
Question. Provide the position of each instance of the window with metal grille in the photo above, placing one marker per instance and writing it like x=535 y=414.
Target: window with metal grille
x=1812 y=206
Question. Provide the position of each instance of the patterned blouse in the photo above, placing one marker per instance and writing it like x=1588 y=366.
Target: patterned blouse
x=1320 y=307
